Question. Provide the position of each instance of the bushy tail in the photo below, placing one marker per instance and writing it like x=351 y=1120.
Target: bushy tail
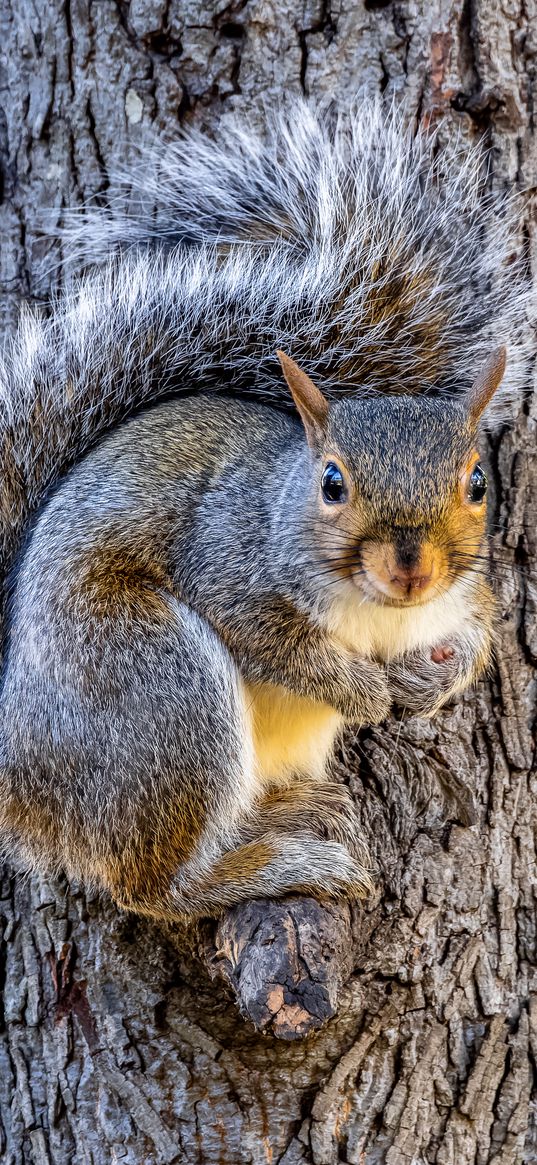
x=343 y=239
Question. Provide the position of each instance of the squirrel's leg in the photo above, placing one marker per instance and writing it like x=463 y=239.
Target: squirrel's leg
x=272 y=865
x=327 y=809
x=302 y=839
x=130 y=762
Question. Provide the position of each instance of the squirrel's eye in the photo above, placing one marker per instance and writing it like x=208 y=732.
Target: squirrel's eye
x=477 y=486
x=332 y=484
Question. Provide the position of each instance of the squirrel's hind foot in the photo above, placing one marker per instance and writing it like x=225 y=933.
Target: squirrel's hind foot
x=325 y=809
x=270 y=867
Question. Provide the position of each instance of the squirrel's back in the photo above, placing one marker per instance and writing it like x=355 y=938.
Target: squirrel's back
x=344 y=239
x=132 y=497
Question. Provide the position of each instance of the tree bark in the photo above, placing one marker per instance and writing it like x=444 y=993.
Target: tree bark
x=115 y=1042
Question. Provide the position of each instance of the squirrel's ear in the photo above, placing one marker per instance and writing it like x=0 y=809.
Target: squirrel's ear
x=486 y=382
x=309 y=400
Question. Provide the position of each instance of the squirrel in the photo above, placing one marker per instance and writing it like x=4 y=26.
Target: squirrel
x=242 y=502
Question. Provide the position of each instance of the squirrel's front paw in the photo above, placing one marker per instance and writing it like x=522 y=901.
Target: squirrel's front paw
x=421 y=681
x=370 y=699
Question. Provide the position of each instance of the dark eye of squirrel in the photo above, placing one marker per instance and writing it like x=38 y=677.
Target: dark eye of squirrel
x=478 y=484
x=332 y=484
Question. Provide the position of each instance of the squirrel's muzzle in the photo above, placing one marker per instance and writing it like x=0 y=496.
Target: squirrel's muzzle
x=406 y=570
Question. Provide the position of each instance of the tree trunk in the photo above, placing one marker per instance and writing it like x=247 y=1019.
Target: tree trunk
x=115 y=1044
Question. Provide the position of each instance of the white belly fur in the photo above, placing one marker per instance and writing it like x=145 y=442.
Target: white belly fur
x=384 y=632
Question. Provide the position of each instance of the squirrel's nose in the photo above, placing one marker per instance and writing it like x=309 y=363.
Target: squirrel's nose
x=411 y=579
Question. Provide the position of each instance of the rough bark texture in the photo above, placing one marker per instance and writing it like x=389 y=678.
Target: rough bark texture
x=115 y=1044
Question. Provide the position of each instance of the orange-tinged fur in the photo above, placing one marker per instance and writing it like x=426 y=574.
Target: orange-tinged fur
x=242 y=864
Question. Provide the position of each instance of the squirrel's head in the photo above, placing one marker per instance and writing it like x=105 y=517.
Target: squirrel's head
x=399 y=499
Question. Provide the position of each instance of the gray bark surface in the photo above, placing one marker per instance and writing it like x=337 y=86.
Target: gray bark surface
x=116 y=1044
